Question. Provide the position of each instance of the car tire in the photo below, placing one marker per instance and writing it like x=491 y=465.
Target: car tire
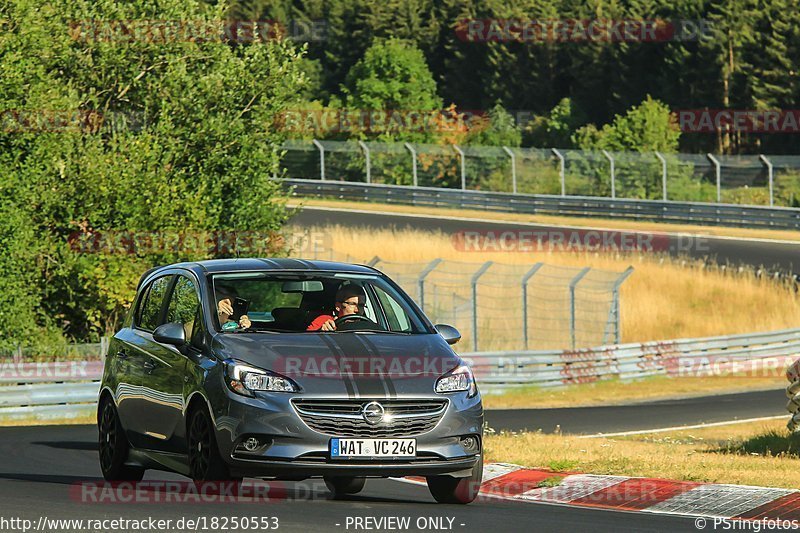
x=343 y=485
x=113 y=445
x=448 y=489
x=205 y=461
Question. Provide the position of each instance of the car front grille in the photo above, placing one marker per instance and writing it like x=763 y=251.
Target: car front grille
x=342 y=418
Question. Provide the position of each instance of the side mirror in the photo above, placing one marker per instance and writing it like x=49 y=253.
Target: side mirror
x=171 y=333
x=450 y=334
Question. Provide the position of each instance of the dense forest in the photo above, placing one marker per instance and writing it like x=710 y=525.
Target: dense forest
x=723 y=54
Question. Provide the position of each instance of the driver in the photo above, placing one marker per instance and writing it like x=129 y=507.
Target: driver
x=350 y=300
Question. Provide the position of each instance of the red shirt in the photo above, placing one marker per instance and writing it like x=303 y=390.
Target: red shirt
x=316 y=325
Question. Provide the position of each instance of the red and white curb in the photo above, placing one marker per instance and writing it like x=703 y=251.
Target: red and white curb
x=687 y=498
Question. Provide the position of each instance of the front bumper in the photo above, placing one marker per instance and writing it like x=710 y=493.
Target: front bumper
x=294 y=450
x=301 y=469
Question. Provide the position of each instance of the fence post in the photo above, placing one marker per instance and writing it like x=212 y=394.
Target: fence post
x=413 y=162
x=374 y=261
x=321 y=158
x=474 y=283
x=368 y=167
x=663 y=174
x=528 y=275
x=513 y=169
x=561 y=171
x=463 y=168
x=613 y=176
x=718 y=169
x=421 y=280
x=771 y=176
x=615 y=304
x=572 y=285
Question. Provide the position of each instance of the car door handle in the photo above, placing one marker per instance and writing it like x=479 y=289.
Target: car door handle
x=122 y=354
x=149 y=366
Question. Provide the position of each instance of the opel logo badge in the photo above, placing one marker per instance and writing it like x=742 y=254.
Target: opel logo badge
x=372 y=413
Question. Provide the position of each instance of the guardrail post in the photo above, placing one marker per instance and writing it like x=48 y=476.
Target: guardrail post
x=718 y=170
x=413 y=162
x=561 y=171
x=421 y=280
x=770 y=174
x=374 y=261
x=572 y=285
x=368 y=167
x=321 y=158
x=615 y=307
x=663 y=174
x=613 y=176
x=513 y=169
x=463 y=167
x=474 y=283
x=528 y=275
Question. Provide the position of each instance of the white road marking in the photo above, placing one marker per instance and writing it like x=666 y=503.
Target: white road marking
x=679 y=428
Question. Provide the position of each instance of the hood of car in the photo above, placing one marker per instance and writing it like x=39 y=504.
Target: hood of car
x=355 y=364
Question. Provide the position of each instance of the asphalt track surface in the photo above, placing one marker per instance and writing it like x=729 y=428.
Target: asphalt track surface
x=41 y=469
x=774 y=255
x=642 y=416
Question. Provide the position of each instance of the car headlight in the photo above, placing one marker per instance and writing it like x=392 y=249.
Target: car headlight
x=458 y=379
x=245 y=379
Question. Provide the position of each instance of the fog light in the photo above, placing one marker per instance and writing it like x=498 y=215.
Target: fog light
x=470 y=443
x=251 y=444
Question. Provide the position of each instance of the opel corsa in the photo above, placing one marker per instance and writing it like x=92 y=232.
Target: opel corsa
x=216 y=375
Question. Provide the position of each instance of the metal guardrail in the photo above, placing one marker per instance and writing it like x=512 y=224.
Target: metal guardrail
x=48 y=391
x=740 y=179
x=755 y=353
x=539 y=204
x=71 y=393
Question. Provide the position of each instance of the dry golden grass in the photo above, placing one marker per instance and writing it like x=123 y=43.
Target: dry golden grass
x=663 y=299
x=760 y=453
x=87 y=419
x=615 y=392
x=554 y=220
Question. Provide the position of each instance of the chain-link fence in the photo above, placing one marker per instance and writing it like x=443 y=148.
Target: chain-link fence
x=751 y=180
x=499 y=306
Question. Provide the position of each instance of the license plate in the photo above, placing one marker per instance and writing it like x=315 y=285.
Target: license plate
x=346 y=448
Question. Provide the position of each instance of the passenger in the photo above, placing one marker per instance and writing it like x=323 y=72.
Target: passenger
x=350 y=300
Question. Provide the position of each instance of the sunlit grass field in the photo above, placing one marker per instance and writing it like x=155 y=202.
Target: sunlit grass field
x=663 y=299
x=757 y=453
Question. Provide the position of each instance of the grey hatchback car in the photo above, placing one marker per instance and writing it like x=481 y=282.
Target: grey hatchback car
x=221 y=372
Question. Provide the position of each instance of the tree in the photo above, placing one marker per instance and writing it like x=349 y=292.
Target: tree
x=648 y=127
x=393 y=75
x=499 y=129
x=178 y=142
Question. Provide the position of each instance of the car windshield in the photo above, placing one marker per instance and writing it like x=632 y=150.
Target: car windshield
x=282 y=302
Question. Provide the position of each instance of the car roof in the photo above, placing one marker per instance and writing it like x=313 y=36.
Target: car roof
x=214 y=266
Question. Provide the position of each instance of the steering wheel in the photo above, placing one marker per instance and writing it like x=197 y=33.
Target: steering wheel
x=339 y=320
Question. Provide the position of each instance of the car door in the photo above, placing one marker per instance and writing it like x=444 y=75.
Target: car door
x=164 y=373
x=131 y=351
